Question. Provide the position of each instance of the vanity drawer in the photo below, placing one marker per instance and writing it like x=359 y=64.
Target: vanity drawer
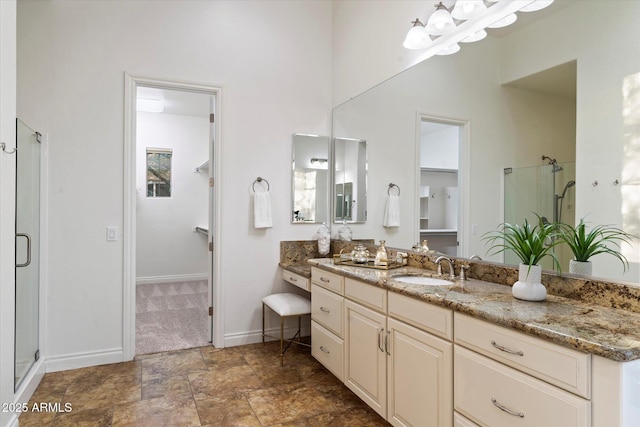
x=492 y=394
x=297 y=280
x=327 y=349
x=428 y=317
x=368 y=295
x=327 y=280
x=460 y=421
x=563 y=367
x=327 y=308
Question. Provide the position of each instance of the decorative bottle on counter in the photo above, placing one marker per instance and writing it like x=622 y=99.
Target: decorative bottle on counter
x=324 y=239
x=425 y=246
x=345 y=232
x=381 y=255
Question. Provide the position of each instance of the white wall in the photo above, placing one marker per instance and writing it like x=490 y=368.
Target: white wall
x=263 y=54
x=7 y=201
x=167 y=247
x=367 y=42
x=440 y=149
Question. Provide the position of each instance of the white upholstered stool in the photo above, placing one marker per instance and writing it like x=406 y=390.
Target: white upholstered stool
x=286 y=305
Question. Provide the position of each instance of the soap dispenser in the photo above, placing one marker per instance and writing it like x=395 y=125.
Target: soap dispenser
x=381 y=255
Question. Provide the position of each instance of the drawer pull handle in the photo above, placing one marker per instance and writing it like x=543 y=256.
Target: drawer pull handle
x=380 y=340
x=507 y=410
x=506 y=350
x=386 y=343
x=293 y=279
x=325 y=310
x=322 y=279
x=324 y=350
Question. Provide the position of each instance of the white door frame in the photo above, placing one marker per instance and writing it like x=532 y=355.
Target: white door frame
x=463 y=176
x=129 y=226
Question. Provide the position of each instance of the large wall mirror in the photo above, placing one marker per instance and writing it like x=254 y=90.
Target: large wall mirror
x=310 y=179
x=350 y=180
x=518 y=90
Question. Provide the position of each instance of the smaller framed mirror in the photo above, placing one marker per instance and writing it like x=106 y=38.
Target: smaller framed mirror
x=310 y=179
x=350 y=180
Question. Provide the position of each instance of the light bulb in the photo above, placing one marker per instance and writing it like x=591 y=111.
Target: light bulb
x=417 y=37
x=467 y=9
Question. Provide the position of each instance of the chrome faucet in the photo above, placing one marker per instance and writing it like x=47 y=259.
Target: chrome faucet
x=449 y=261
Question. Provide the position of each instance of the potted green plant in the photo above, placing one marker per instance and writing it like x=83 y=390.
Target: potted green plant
x=531 y=243
x=601 y=239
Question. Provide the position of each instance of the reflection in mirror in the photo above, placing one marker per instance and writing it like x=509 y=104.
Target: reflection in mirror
x=310 y=179
x=350 y=169
x=519 y=90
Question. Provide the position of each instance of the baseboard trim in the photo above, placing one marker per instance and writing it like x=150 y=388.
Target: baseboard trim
x=254 y=337
x=82 y=360
x=172 y=278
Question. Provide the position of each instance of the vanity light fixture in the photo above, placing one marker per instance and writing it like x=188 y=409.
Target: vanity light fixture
x=440 y=22
x=468 y=9
x=319 y=162
x=504 y=22
x=449 y=50
x=417 y=37
x=464 y=21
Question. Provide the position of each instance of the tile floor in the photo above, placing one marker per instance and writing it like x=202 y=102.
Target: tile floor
x=237 y=386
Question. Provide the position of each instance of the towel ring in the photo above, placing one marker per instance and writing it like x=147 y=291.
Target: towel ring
x=259 y=179
x=391 y=185
x=3 y=147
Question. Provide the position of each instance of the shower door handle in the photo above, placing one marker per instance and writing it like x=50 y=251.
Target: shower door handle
x=26 y=236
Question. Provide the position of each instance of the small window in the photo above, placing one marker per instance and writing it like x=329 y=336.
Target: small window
x=159 y=172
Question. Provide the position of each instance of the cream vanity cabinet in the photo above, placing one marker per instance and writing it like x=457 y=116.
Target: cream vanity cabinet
x=327 y=310
x=505 y=378
x=296 y=279
x=391 y=362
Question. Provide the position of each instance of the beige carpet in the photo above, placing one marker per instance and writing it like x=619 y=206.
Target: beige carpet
x=171 y=316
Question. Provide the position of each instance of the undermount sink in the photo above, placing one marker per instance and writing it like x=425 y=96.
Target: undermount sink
x=422 y=280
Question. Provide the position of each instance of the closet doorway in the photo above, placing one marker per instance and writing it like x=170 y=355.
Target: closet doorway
x=171 y=216
x=441 y=147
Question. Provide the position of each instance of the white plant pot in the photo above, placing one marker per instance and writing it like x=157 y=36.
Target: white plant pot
x=583 y=268
x=529 y=286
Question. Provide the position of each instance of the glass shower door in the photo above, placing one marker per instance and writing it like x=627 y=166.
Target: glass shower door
x=546 y=190
x=27 y=250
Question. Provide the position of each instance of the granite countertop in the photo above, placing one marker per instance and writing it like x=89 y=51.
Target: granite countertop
x=612 y=333
x=301 y=269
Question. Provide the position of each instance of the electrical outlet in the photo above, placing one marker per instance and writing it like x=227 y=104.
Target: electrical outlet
x=112 y=234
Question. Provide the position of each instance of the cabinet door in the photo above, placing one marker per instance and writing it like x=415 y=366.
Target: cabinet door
x=420 y=374
x=365 y=369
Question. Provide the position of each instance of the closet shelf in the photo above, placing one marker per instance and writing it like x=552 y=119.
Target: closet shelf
x=202 y=230
x=203 y=167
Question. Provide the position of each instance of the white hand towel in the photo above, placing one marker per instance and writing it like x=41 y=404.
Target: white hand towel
x=262 y=210
x=392 y=211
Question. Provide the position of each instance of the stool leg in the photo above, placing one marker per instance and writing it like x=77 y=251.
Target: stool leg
x=281 y=341
x=262 y=323
x=299 y=328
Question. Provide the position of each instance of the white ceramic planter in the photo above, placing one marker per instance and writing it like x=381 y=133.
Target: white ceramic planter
x=583 y=268
x=529 y=286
